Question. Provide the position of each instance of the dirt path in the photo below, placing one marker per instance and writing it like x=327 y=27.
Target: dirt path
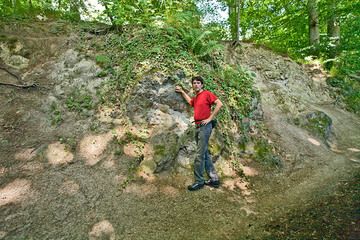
x=313 y=170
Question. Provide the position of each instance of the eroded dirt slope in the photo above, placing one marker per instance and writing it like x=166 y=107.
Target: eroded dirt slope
x=73 y=181
x=314 y=166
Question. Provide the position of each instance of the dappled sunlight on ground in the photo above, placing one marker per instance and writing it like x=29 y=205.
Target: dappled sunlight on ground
x=148 y=152
x=313 y=141
x=15 y=192
x=225 y=168
x=118 y=132
x=133 y=149
x=101 y=180
x=58 y=154
x=93 y=146
x=106 y=115
x=353 y=149
x=2 y=234
x=102 y=230
x=237 y=183
x=250 y=172
x=3 y=170
x=146 y=173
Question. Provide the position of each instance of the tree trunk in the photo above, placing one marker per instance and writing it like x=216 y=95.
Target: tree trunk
x=59 y=5
x=230 y=8
x=314 y=33
x=13 y=3
x=237 y=9
x=333 y=29
x=75 y=10
x=232 y=11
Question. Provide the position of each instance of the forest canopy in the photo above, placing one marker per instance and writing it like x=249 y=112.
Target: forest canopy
x=327 y=30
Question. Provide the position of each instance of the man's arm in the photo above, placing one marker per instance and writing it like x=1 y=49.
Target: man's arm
x=183 y=93
x=214 y=113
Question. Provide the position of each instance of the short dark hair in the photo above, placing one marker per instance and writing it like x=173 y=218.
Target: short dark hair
x=197 y=78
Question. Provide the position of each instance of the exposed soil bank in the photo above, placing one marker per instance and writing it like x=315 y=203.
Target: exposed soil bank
x=72 y=181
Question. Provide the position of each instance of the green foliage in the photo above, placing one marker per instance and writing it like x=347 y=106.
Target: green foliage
x=140 y=50
x=79 y=101
x=69 y=141
x=23 y=9
x=102 y=60
x=265 y=155
x=55 y=114
x=234 y=86
x=197 y=41
x=143 y=12
x=283 y=26
x=348 y=90
x=317 y=123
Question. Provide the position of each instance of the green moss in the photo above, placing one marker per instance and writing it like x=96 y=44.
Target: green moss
x=159 y=150
x=347 y=89
x=317 y=123
x=70 y=142
x=11 y=41
x=214 y=149
x=55 y=114
x=264 y=154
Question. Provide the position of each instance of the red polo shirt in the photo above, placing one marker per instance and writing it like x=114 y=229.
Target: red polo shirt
x=202 y=105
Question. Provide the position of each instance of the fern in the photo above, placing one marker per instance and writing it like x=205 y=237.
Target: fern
x=210 y=48
x=198 y=39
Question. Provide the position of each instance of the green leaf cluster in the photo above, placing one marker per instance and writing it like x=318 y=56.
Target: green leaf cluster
x=283 y=25
x=66 y=9
x=79 y=102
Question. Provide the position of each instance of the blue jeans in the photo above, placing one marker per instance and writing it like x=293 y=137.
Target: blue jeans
x=203 y=159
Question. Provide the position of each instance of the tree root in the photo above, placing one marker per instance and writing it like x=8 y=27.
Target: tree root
x=11 y=73
x=19 y=86
x=17 y=77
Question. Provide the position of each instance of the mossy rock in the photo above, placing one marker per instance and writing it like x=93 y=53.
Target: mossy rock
x=165 y=147
x=10 y=41
x=264 y=154
x=317 y=123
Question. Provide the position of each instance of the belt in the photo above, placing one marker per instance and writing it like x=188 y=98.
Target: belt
x=198 y=123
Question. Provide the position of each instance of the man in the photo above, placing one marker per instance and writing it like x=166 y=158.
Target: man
x=204 y=123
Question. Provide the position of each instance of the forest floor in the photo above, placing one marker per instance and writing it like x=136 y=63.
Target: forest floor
x=314 y=196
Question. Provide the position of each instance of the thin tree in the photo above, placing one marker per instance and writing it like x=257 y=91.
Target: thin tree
x=237 y=9
x=234 y=16
x=333 y=28
x=314 y=33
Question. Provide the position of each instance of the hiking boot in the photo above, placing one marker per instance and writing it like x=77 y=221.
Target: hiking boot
x=195 y=186
x=212 y=183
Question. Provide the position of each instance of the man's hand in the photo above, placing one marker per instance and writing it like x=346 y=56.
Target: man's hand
x=214 y=113
x=206 y=121
x=179 y=89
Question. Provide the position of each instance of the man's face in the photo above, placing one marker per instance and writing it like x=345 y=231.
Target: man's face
x=197 y=85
